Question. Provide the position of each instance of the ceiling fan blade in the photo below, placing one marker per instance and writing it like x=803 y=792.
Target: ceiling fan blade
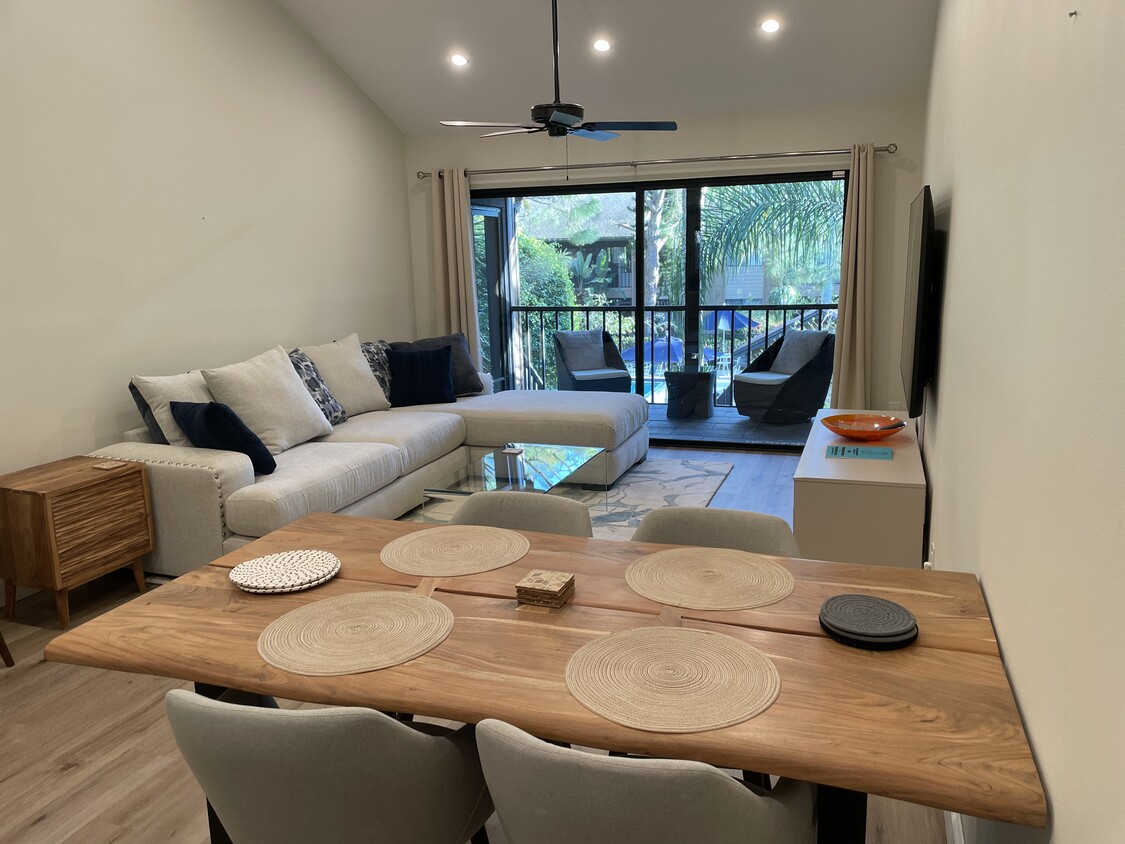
x=524 y=131
x=594 y=134
x=487 y=124
x=632 y=125
x=564 y=118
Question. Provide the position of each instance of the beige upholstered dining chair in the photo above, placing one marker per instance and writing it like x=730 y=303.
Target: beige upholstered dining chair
x=525 y=511
x=340 y=774
x=553 y=795
x=716 y=528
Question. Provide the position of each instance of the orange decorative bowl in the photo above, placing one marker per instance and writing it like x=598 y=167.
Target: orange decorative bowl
x=864 y=426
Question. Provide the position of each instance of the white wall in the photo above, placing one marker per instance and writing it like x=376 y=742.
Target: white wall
x=1024 y=434
x=182 y=184
x=827 y=127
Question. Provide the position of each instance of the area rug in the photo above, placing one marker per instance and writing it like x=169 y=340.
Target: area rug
x=650 y=486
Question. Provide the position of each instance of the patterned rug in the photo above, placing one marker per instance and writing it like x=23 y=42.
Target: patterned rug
x=649 y=486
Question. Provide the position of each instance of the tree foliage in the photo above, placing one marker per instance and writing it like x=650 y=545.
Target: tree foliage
x=792 y=228
x=544 y=274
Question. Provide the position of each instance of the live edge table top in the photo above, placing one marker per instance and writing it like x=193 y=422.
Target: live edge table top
x=934 y=723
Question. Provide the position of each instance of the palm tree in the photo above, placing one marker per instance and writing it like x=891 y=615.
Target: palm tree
x=792 y=228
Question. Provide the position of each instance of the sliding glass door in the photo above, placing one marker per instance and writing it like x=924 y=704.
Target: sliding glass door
x=685 y=276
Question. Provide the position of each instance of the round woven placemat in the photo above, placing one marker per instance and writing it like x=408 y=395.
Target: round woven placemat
x=672 y=679
x=355 y=633
x=709 y=579
x=452 y=550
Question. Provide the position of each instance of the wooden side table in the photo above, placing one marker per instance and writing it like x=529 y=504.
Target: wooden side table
x=64 y=523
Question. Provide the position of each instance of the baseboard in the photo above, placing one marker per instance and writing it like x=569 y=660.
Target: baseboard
x=954 y=829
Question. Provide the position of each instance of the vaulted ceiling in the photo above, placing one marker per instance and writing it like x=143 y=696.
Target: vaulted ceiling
x=670 y=60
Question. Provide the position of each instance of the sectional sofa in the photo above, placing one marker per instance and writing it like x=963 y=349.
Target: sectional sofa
x=375 y=462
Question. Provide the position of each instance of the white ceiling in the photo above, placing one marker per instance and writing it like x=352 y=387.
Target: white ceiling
x=671 y=60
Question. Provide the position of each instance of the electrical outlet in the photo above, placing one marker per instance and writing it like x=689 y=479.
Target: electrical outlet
x=931 y=558
x=895 y=405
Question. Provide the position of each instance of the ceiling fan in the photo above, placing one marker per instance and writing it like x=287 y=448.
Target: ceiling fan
x=558 y=118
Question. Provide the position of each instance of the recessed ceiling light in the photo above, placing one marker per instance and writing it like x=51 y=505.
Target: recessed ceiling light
x=601 y=45
x=458 y=60
x=770 y=25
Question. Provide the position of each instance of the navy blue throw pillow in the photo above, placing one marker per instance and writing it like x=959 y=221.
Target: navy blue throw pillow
x=215 y=425
x=423 y=377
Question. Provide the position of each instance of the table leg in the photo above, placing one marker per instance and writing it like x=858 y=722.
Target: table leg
x=6 y=654
x=10 y=599
x=215 y=827
x=841 y=815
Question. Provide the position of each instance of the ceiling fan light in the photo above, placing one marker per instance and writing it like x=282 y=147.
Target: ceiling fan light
x=458 y=60
x=770 y=26
x=602 y=46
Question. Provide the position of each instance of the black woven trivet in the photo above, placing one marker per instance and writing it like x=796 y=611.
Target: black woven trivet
x=864 y=621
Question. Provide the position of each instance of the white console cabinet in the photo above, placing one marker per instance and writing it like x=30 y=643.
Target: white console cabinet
x=853 y=510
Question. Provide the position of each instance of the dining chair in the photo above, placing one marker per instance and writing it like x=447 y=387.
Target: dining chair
x=552 y=795
x=340 y=774
x=525 y=511
x=711 y=527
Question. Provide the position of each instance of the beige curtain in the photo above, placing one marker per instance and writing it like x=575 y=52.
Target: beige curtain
x=850 y=388
x=455 y=298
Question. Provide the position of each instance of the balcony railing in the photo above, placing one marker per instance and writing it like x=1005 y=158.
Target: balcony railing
x=729 y=338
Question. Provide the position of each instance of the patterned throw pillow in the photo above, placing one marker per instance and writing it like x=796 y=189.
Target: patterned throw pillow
x=314 y=383
x=376 y=354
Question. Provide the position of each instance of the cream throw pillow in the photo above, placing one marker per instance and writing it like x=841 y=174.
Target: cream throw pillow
x=267 y=394
x=345 y=370
x=159 y=391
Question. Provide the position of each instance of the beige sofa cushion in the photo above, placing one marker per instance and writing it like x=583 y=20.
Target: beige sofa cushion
x=594 y=419
x=345 y=370
x=312 y=478
x=267 y=394
x=160 y=390
x=421 y=437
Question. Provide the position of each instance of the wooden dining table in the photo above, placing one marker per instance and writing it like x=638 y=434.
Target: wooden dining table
x=934 y=723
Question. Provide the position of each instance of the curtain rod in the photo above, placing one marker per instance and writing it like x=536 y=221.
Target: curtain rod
x=891 y=148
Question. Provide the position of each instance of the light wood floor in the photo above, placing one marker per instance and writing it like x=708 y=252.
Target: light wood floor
x=86 y=755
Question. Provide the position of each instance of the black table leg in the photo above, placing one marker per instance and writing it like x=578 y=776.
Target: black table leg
x=215 y=826
x=841 y=816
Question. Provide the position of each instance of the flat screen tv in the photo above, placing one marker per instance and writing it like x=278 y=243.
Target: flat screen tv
x=921 y=311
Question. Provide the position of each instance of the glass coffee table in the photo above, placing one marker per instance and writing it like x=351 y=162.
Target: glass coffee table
x=521 y=467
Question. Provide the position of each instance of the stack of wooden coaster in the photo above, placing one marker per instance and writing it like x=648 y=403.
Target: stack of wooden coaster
x=545 y=588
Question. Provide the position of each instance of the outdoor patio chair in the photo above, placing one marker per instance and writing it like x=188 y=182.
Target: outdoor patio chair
x=590 y=360
x=789 y=381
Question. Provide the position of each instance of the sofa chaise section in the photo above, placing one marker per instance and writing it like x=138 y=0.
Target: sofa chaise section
x=616 y=422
